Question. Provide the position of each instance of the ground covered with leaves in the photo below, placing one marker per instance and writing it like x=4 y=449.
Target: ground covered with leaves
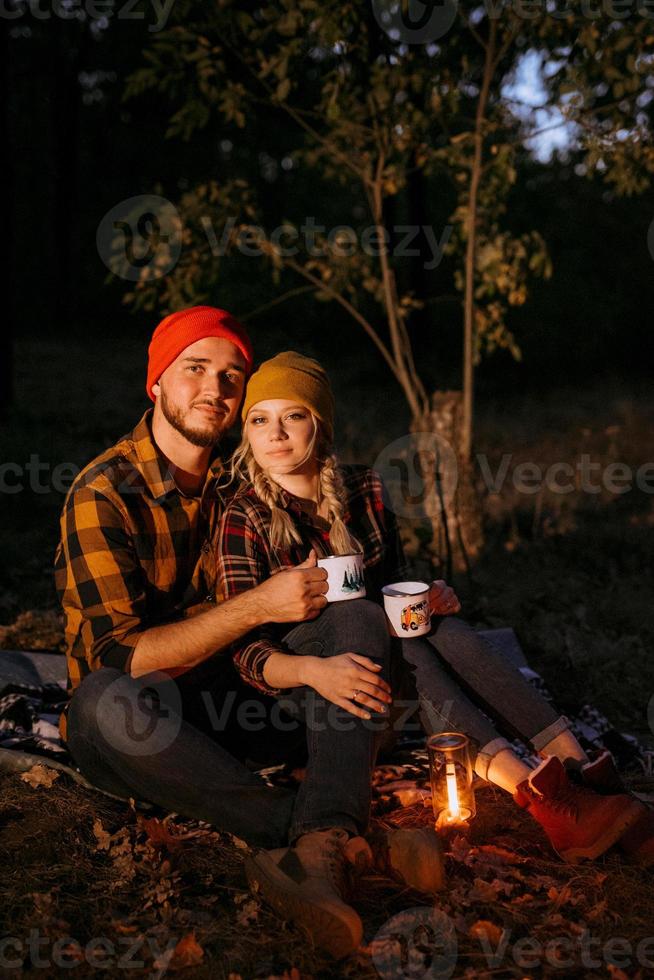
x=92 y=886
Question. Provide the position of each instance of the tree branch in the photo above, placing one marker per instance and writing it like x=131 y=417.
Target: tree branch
x=338 y=297
x=275 y=302
x=294 y=114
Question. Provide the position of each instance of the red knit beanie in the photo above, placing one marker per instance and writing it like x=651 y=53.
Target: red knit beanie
x=179 y=330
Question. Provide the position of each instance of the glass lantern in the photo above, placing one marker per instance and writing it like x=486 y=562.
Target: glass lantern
x=450 y=769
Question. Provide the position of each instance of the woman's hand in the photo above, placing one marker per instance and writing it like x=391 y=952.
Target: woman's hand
x=443 y=600
x=351 y=681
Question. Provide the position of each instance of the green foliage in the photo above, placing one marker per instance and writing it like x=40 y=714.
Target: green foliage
x=366 y=113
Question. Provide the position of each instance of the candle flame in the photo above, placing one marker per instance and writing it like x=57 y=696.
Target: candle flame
x=452 y=792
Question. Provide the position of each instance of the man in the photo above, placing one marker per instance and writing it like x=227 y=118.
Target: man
x=149 y=672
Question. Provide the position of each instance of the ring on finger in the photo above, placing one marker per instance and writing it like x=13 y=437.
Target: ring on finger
x=355 y=694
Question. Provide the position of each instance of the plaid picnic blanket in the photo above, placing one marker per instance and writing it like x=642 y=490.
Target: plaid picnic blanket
x=593 y=730
x=28 y=719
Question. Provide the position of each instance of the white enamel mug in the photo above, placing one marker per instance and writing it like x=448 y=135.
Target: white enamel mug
x=344 y=577
x=407 y=608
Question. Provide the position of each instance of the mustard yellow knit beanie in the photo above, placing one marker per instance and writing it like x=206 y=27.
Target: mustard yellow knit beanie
x=291 y=375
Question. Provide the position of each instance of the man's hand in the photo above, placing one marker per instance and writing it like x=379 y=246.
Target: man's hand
x=293 y=595
x=443 y=600
x=350 y=680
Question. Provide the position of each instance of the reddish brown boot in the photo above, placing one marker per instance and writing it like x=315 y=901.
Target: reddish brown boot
x=578 y=822
x=637 y=842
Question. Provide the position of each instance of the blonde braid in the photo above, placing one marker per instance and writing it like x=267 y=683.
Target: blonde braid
x=283 y=532
x=333 y=491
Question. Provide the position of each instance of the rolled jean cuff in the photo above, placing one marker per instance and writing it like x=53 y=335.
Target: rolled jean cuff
x=487 y=753
x=542 y=739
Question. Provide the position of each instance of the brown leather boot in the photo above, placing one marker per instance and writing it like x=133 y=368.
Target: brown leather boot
x=412 y=855
x=307 y=884
x=637 y=842
x=578 y=822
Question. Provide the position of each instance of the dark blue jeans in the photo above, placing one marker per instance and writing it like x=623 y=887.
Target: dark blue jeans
x=342 y=748
x=463 y=683
x=152 y=739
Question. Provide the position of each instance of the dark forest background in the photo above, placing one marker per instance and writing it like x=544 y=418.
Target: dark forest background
x=75 y=148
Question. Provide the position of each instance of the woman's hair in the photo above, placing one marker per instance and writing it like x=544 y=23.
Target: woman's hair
x=283 y=533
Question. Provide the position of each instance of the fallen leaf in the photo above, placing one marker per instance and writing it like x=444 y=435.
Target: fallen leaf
x=187 y=952
x=158 y=833
x=248 y=913
x=563 y=896
x=499 y=855
x=616 y=973
x=525 y=899
x=559 y=922
x=598 y=911
x=460 y=849
x=124 y=928
x=40 y=775
x=489 y=891
x=119 y=849
x=483 y=929
x=101 y=835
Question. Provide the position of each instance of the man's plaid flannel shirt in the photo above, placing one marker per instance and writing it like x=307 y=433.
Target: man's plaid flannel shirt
x=134 y=552
x=245 y=558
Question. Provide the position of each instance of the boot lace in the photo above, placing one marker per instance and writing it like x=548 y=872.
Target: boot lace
x=566 y=800
x=335 y=862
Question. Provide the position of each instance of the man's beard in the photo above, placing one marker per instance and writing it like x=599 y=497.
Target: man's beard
x=204 y=438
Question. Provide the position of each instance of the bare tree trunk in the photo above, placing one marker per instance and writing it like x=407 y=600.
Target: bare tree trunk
x=471 y=250
x=454 y=503
x=402 y=352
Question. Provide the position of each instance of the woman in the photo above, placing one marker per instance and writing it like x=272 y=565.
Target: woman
x=298 y=501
